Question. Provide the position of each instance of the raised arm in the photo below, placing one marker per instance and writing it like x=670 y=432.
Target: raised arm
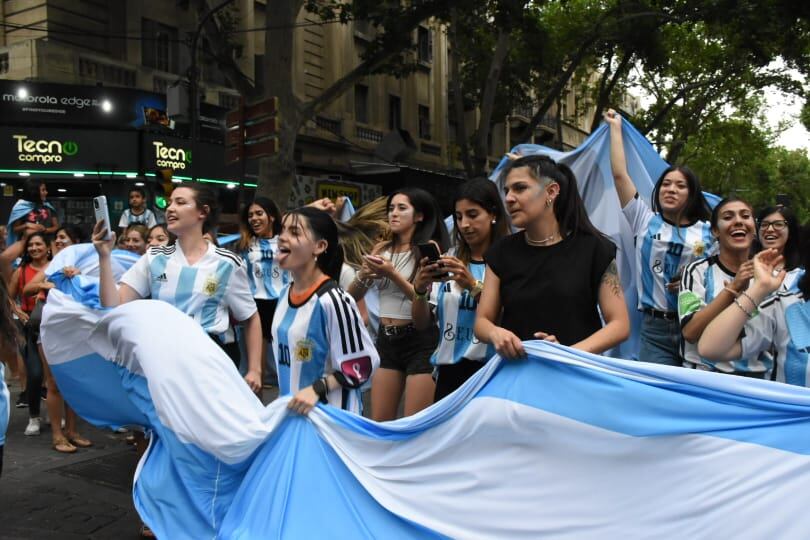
x=110 y=295
x=618 y=162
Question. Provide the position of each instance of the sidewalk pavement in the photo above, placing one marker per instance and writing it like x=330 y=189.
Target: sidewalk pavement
x=48 y=495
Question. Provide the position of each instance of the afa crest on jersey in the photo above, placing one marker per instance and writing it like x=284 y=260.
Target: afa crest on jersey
x=304 y=350
x=210 y=285
x=699 y=248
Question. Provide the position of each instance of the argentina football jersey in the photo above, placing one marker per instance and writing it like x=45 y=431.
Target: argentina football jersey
x=265 y=276
x=782 y=324
x=455 y=308
x=321 y=335
x=663 y=250
x=207 y=291
x=702 y=281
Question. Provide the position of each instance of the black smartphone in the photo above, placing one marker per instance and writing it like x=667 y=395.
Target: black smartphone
x=430 y=251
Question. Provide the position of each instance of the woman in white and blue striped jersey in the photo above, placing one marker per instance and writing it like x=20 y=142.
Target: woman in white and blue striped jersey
x=201 y=280
x=260 y=224
x=669 y=236
x=453 y=284
x=767 y=317
x=322 y=349
x=710 y=285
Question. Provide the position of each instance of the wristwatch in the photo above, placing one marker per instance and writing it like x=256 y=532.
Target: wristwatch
x=477 y=288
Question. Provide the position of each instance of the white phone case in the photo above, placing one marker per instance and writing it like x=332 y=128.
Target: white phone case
x=103 y=214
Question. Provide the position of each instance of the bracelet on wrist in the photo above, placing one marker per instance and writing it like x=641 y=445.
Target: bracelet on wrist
x=734 y=293
x=420 y=295
x=753 y=304
x=748 y=314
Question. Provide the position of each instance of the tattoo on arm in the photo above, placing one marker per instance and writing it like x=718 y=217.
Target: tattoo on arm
x=611 y=278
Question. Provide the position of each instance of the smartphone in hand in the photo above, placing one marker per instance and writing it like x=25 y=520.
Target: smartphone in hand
x=103 y=214
x=430 y=251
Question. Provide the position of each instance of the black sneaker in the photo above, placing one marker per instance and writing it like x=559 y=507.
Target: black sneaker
x=22 y=401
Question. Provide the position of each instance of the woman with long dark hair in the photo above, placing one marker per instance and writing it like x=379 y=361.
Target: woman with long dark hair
x=414 y=218
x=9 y=341
x=453 y=284
x=259 y=225
x=34 y=260
x=68 y=439
x=670 y=233
x=322 y=350
x=710 y=285
x=552 y=279
x=778 y=228
x=766 y=317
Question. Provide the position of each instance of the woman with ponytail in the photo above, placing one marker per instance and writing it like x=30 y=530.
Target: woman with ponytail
x=321 y=347
x=552 y=279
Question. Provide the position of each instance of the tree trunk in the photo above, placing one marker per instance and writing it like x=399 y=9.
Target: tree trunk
x=480 y=146
x=277 y=172
x=458 y=98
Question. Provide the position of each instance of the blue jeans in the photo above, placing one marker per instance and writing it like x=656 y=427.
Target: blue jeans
x=660 y=341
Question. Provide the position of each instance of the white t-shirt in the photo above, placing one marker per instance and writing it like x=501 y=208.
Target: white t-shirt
x=206 y=291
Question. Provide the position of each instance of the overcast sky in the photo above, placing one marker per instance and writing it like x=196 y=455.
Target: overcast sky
x=784 y=107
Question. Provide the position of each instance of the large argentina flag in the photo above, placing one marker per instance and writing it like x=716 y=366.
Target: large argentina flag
x=590 y=162
x=561 y=444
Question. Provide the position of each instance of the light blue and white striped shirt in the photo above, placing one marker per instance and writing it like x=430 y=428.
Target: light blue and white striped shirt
x=702 y=281
x=662 y=252
x=207 y=291
x=266 y=277
x=455 y=311
x=322 y=335
x=782 y=325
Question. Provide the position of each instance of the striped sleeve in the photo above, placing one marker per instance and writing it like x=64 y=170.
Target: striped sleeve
x=638 y=215
x=352 y=356
x=691 y=297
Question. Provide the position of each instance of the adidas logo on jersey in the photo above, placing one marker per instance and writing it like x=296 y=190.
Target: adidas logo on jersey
x=162 y=278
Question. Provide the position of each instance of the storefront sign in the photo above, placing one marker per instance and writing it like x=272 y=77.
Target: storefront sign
x=333 y=190
x=23 y=102
x=67 y=150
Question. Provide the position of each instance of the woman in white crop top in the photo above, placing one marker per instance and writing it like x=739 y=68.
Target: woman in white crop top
x=414 y=218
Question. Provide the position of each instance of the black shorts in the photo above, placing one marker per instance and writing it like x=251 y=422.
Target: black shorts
x=266 y=308
x=451 y=376
x=409 y=352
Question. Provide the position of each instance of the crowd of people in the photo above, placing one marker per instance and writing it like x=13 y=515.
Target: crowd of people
x=392 y=302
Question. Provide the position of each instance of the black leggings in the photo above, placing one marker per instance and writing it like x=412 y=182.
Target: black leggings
x=33 y=371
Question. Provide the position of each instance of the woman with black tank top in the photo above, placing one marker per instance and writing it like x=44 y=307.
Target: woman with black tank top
x=551 y=280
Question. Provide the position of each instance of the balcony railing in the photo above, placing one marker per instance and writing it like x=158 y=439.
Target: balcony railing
x=368 y=134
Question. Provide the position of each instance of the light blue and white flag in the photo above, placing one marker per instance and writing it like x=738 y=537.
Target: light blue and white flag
x=562 y=444
x=590 y=163
x=20 y=209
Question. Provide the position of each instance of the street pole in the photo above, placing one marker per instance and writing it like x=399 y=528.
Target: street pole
x=194 y=101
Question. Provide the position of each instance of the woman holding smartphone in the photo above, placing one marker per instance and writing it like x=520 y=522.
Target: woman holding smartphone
x=414 y=218
x=454 y=283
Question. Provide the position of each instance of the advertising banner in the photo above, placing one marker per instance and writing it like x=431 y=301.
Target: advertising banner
x=67 y=149
x=31 y=103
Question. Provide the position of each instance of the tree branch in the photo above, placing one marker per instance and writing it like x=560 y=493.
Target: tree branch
x=488 y=100
x=223 y=52
x=458 y=97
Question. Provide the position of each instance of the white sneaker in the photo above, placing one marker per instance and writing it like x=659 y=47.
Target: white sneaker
x=33 y=426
